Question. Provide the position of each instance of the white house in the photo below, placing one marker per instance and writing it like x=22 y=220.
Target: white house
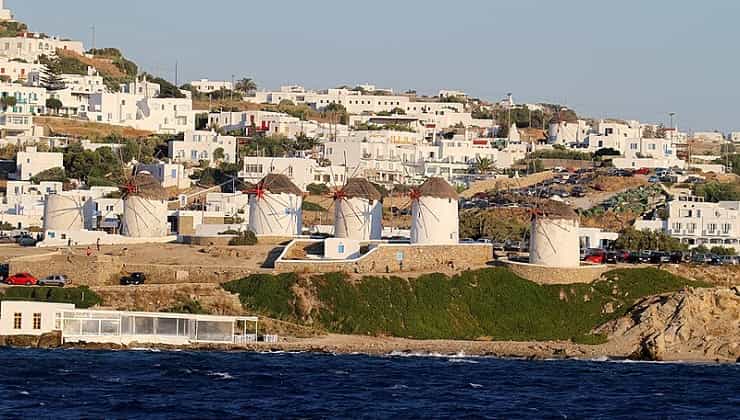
x=17 y=70
x=696 y=222
x=30 y=46
x=31 y=162
x=170 y=175
x=30 y=318
x=208 y=86
x=160 y=115
x=202 y=145
x=28 y=99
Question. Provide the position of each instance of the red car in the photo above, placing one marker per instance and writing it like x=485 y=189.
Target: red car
x=596 y=256
x=642 y=171
x=22 y=279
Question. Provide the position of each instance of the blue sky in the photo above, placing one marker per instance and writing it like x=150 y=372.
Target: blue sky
x=624 y=59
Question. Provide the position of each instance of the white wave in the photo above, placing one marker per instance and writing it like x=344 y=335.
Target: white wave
x=24 y=393
x=463 y=361
x=475 y=386
x=459 y=355
x=399 y=386
x=221 y=375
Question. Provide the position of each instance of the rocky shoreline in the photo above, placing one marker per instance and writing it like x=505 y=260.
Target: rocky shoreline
x=693 y=325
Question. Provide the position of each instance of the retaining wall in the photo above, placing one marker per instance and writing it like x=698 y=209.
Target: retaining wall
x=557 y=275
x=395 y=258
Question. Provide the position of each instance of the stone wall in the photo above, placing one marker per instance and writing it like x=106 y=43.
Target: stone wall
x=155 y=298
x=222 y=240
x=80 y=269
x=396 y=258
x=171 y=274
x=555 y=275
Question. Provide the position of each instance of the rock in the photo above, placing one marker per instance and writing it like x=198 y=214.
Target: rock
x=693 y=324
x=50 y=340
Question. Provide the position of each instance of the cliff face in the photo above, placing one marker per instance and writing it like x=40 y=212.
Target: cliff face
x=693 y=324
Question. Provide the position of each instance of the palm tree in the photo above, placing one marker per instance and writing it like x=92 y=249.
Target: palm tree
x=483 y=165
x=245 y=85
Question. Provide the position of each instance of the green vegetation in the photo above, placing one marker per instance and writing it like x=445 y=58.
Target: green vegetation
x=8 y=102
x=635 y=239
x=246 y=238
x=378 y=127
x=167 y=89
x=560 y=152
x=309 y=206
x=53 y=175
x=54 y=104
x=317 y=189
x=81 y=297
x=245 y=85
x=717 y=191
x=489 y=304
x=12 y=29
x=493 y=224
x=277 y=146
x=637 y=201
x=187 y=306
x=54 y=67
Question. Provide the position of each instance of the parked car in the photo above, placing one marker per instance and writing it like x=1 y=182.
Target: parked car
x=730 y=260
x=4 y=272
x=616 y=257
x=653 y=180
x=26 y=241
x=660 y=257
x=133 y=279
x=595 y=256
x=701 y=259
x=642 y=171
x=639 y=257
x=679 y=257
x=59 y=280
x=22 y=279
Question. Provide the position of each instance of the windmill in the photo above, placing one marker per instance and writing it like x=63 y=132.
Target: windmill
x=144 y=206
x=358 y=210
x=434 y=210
x=63 y=212
x=554 y=239
x=275 y=207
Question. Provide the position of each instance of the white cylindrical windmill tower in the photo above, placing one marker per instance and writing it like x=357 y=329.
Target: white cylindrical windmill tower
x=275 y=207
x=554 y=239
x=434 y=213
x=63 y=212
x=358 y=211
x=144 y=207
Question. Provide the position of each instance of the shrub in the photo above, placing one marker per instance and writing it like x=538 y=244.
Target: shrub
x=309 y=206
x=317 y=189
x=246 y=238
x=81 y=297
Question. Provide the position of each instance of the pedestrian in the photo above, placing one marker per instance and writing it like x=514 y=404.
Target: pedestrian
x=89 y=251
x=97 y=244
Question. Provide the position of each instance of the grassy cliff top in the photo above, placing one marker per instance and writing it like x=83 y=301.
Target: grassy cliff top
x=489 y=304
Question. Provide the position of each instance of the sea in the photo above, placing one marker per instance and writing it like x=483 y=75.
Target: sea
x=209 y=385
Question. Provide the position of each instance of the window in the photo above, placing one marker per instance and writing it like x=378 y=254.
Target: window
x=37 y=321
x=676 y=227
x=726 y=228
x=711 y=228
x=17 y=321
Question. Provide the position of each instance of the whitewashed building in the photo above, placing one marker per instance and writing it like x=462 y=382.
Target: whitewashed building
x=209 y=86
x=202 y=145
x=31 y=162
x=170 y=175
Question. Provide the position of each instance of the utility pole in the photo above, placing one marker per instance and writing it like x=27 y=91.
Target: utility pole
x=93 y=39
x=176 y=75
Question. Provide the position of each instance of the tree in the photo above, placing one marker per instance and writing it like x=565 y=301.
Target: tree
x=50 y=175
x=483 y=165
x=398 y=111
x=634 y=239
x=245 y=85
x=607 y=151
x=218 y=154
x=716 y=191
x=51 y=75
x=8 y=102
x=54 y=104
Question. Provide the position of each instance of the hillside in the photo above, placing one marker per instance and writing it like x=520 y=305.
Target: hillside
x=56 y=126
x=111 y=64
x=489 y=304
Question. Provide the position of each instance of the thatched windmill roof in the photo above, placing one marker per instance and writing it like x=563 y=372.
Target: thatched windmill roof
x=360 y=188
x=555 y=210
x=144 y=185
x=437 y=188
x=279 y=184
